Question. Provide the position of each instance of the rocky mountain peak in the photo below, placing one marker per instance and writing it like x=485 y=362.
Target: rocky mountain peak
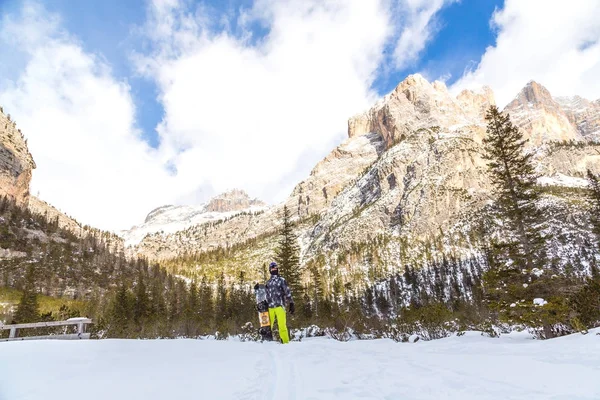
x=169 y=219
x=582 y=113
x=414 y=80
x=475 y=103
x=416 y=89
x=158 y=211
x=413 y=86
x=544 y=118
x=533 y=93
x=233 y=200
x=415 y=104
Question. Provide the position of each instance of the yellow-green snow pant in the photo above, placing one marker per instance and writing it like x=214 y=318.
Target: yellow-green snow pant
x=279 y=313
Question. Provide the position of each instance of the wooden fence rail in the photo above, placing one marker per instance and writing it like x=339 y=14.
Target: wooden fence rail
x=80 y=322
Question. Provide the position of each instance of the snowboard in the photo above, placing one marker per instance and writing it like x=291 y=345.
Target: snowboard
x=262 y=306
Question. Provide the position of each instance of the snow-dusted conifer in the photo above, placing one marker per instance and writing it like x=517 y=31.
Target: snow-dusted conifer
x=28 y=308
x=287 y=255
x=515 y=191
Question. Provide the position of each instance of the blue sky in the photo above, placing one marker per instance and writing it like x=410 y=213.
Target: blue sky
x=463 y=34
x=107 y=28
x=173 y=101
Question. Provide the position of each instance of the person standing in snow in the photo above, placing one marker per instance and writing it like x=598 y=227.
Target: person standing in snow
x=278 y=293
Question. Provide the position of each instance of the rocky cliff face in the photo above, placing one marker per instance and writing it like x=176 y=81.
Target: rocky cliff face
x=334 y=172
x=540 y=116
x=234 y=200
x=416 y=104
x=16 y=163
x=433 y=174
x=583 y=114
x=16 y=166
x=418 y=186
x=411 y=167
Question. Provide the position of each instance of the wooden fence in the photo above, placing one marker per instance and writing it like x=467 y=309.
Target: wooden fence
x=80 y=322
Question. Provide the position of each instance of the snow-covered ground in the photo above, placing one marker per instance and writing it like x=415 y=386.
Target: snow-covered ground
x=562 y=180
x=467 y=367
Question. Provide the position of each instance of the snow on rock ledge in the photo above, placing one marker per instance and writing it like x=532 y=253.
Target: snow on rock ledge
x=539 y=301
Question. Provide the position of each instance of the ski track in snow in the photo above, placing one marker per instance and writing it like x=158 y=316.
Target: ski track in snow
x=282 y=380
x=457 y=368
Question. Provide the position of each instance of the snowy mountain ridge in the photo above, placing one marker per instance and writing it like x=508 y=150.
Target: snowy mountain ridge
x=411 y=168
x=173 y=218
x=583 y=113
x=546 y=118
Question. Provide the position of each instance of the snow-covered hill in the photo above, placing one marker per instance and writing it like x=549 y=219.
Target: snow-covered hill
x=467 y=367
x=170 y=218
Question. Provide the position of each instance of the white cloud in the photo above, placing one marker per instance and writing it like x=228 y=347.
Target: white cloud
x=242 y=114
x=555 y=43
x=253 y=113
x=80 y=127
x=419 y=26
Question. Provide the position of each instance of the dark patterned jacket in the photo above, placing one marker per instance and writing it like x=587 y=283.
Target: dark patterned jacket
x=278 y=291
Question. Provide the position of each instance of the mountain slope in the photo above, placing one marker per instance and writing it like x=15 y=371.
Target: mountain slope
x=170 y=219
x=584 y=114
x=16 y=163
x=411 y=171
x=69 y=260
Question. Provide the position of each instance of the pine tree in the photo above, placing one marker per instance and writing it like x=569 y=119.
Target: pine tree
x=586 y=303
x=158 y=306
x=307 y=307
x=191 y=311
x=28 y=308
x=264 y=271
x=337 y=290
x=394 y=294
x=514 y=180
x=242 y=301
x=287 y=255
x=316 y=291
x=141 y=308
x=439 y=286
x=594 y=184
x=182 y=297
x=221 y=303
x=382 y=303
x=510 y=286
x=173 y=304
x=206 y=310
x=369 y=302
x=121 y=313
x=232 y=304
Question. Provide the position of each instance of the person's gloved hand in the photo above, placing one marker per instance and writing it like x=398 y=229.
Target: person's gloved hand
x=292 y=308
